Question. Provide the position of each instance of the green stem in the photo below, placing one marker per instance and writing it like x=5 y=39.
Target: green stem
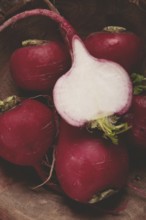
x=33 y=42
x=103 y=195
x=114 y=29
x=110 y=127
x=9 y=103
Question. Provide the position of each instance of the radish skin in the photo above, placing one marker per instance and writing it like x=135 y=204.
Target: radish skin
x=67 y=30
x=89 y=169
x=137 y=119
x=26 y=133
x=91 y=89
x=117 y=44
x=37 y=67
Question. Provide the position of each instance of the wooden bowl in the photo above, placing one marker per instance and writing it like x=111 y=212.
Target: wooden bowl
x=17 y=200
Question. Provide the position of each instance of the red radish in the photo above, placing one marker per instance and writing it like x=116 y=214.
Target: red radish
x=26 y=133
x=89 y=169
x=92 y=88
x=36 y=68
x=116 y=44
x=137 y=133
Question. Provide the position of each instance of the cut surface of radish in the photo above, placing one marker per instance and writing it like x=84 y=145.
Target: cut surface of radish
x=92 y=88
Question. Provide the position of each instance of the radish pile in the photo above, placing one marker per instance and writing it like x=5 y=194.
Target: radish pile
x=93 y=108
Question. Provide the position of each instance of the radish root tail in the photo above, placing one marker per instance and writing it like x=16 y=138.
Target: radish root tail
x=50 y=173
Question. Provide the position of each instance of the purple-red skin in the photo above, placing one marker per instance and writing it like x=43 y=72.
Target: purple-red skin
x=26 y=133
x=66 y=29
x=37 y=68
x=86 y=166
x=125 y=48
x=137 y=133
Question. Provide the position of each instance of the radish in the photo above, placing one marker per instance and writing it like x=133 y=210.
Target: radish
x=136 y=116
x=27 y=131
x=116 y=44
x=38 y=65
x=92 y=89
x=137 y=133
x=89 y=169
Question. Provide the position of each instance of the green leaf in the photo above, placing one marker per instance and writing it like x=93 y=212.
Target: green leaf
x=138 y=83
x=110 y=127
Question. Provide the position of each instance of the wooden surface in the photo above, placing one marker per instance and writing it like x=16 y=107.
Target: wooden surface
x=17 y=200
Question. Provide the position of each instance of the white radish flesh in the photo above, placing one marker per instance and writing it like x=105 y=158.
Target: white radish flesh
x=92 y=88
x=93 y=91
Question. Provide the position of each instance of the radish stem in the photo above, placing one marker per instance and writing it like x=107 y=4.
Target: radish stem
x=103 y=195
x=64 y=25
x=114 y=29
x=51 y=6
x=110 y=127
x=9 y=103
x=33 y=42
